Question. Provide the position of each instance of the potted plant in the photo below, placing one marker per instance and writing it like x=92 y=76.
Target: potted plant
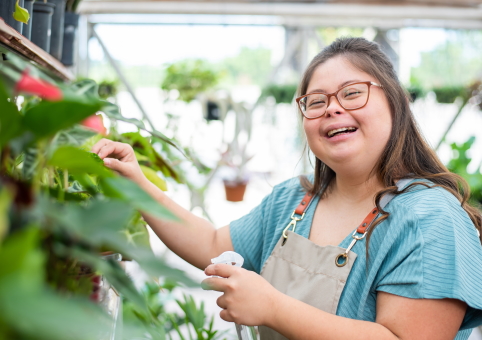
x=61 y=210
x=448 y=94
x=108 y=88
x=27 y=24
x=42 y=25
x=57 y=36
x=236 y=156
x=415 y=92
x=190 y=78
x=71 y=22
x=281 y=93
x=13 y=13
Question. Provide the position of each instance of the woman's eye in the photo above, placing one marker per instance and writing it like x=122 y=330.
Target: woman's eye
x=352 y=93
x=317 y=103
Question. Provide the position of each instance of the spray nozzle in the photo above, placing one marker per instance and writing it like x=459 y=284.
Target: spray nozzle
x=229 y=257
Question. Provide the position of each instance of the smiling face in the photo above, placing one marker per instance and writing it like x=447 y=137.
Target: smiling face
x=346 y=140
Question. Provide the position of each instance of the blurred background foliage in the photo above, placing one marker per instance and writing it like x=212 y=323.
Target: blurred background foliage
x=456 y=62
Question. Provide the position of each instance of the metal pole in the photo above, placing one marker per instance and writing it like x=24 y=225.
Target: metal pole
x=465 y=101
x=122 y=78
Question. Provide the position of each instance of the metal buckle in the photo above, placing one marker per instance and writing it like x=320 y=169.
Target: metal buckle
x=293 y=221
x=345 y=254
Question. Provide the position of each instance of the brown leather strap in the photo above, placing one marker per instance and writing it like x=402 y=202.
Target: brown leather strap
x=300 y=209
x=367 y=221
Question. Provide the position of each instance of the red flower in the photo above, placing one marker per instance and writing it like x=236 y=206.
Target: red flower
x=37 y=87
x=95 y=123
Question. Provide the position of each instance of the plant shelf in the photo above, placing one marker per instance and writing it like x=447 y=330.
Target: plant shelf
x=16 y=42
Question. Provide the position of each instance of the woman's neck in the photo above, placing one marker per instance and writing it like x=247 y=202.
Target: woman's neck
x=356 y=190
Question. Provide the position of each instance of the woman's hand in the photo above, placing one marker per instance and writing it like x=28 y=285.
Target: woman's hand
x=248 y=298
x=120 y=157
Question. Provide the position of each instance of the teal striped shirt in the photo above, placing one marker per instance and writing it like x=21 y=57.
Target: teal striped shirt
x=428 y=248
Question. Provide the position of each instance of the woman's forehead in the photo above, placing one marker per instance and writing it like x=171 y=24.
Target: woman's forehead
x=334 y=74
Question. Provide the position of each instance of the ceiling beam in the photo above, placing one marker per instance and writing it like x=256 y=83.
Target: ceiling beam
x=282 y=9
x=300 y=14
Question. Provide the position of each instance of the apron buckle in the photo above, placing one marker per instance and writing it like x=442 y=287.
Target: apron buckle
x=293 y=221
x=343 y=262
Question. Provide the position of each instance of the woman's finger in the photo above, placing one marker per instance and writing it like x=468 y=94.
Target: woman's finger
x=215 y=283
x=225 y=315
x=223 y=270
x=100 y=144
x=117 y=150
x=221 y=302
x=116 y=165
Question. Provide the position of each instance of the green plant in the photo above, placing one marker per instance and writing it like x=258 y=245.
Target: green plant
x=196 y=320
x=281 y=93
x=193 y=320
x=447 y=94
x=415 y=92
x=21 y=14
x=108 y=88
x=71 y=5
x=459 y=164
x=189 y=77
x=61 y=210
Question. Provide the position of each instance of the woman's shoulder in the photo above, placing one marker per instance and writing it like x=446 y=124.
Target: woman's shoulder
x=290 y=187
x=430 y=209
x=424 y=197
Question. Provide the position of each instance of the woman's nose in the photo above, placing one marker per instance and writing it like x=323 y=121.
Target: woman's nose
x=334 y=106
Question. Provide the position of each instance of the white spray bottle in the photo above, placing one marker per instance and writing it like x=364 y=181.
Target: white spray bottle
x=234 y=259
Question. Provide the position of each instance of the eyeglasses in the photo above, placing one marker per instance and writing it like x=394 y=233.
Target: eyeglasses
x=351 y=97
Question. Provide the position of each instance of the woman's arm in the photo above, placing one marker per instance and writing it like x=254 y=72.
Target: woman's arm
x=195 y=239
x=249 y=299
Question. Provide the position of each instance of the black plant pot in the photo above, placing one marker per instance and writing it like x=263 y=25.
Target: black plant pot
x=42 y=24
x=27 y=28
x=70 y=27
x=7 y=7
x=57 y=28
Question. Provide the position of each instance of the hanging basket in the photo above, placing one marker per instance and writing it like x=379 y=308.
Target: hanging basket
x=235 y=190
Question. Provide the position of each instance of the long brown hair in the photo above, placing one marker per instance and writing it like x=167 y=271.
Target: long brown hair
x=407 y=154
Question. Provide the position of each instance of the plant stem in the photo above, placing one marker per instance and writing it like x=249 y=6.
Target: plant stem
x=66 y=179
x=51 y=176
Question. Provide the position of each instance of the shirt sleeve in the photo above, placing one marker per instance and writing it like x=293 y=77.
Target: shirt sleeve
x=434 y=253
x=247 y=235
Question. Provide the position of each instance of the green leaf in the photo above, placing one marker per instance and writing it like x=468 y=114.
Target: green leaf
x=152 y=176
x=128 y=191
x=5 y=200
x=78 y=161
x=47 y=118
x=75 y=136
x=156 y=266
x=113 y=273
x=113 y=111
x=44 y=315
x=10 y=118
x=20 y=256
x=21 y=14
x=86 y=87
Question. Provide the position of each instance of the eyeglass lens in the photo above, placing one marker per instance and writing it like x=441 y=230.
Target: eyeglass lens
x=350 y=97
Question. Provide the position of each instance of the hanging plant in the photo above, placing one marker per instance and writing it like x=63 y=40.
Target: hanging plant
x=281 y=93
x=448 y=94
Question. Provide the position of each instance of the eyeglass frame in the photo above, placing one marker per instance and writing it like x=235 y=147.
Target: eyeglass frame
x=334 y=94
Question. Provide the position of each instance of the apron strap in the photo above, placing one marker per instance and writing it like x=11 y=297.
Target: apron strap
x=383 y=203
x=305 y=202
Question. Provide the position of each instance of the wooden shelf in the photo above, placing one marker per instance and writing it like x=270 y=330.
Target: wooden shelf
x=10 y=38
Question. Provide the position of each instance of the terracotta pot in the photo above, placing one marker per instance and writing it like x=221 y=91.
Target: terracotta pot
x=235 y=190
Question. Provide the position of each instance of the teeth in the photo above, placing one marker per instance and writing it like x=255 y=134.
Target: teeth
x=345 y=129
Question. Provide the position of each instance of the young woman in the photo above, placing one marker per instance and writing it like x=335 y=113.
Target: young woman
x=379 y=244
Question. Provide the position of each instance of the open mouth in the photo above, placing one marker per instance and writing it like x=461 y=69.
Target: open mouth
x=340 y=131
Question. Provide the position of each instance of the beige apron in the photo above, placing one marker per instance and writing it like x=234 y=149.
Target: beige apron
x=308 y=272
